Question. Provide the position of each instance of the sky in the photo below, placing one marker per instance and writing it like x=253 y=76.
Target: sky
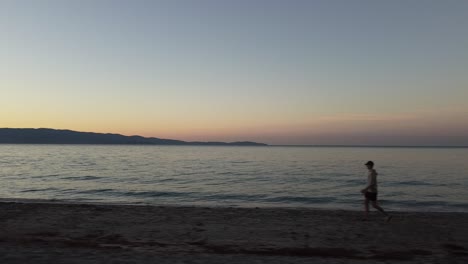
x=361 y=72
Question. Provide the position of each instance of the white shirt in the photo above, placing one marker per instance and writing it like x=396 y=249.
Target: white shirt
x=372 y=181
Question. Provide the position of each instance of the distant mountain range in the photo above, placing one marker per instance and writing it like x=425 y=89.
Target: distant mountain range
x=55 y=136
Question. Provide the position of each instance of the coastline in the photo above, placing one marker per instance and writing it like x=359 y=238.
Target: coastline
x=40 y=231
x=358 y=207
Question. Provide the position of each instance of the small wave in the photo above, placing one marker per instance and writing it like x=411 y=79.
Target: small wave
x=155 y=194
x=185 y=174
x=314 y=180
x=164 y=180
x=332 y=175
x=356 y=181
x=94 y=191
x=410 y=183
x=229 y=173
x=38 y=190
x=395 y=194
x=82 y=178
x=448 y=184
x=300 y=199
x=241 y=162
x=83 y=164
x=352 y=195
x=351 y=183
x=434 y=196
x=44 y=176
x=234 y=197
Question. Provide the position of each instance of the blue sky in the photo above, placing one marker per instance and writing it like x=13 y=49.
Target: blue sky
x=281 y=72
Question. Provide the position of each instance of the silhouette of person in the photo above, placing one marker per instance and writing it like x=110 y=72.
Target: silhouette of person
x=370 y=192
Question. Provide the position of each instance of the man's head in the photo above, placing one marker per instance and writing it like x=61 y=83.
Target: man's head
x=369 y=164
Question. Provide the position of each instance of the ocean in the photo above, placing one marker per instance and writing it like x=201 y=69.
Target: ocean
x=410 y=179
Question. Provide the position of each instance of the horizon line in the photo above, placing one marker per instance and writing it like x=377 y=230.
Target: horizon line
x=367 y=146
x=265 y=144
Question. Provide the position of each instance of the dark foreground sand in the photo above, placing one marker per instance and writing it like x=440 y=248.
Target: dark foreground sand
x=90 y=233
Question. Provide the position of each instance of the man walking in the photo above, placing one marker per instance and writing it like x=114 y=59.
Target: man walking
x=370 y=192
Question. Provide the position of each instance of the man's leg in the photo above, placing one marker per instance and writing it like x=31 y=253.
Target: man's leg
x=376 y=206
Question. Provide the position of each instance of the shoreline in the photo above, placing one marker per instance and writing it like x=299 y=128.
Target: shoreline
x=36 y=232
x=216 y=206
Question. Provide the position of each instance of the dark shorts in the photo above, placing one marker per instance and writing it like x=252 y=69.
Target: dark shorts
x=371 y=196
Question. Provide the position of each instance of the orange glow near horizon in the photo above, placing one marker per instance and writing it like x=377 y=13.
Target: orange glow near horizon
x=311 y=131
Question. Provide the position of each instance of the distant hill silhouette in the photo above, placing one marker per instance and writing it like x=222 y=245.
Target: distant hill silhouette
x=55 y=136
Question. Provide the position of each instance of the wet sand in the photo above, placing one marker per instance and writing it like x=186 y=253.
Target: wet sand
x=48 y=232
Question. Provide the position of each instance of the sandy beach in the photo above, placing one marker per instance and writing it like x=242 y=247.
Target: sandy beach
x=50 y=232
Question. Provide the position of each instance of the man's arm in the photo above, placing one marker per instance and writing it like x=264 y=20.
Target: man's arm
x=372 y=182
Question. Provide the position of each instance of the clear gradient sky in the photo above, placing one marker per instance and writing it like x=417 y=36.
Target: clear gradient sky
x=280 y=72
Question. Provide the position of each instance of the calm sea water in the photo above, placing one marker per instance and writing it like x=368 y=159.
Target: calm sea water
x=410 y=179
